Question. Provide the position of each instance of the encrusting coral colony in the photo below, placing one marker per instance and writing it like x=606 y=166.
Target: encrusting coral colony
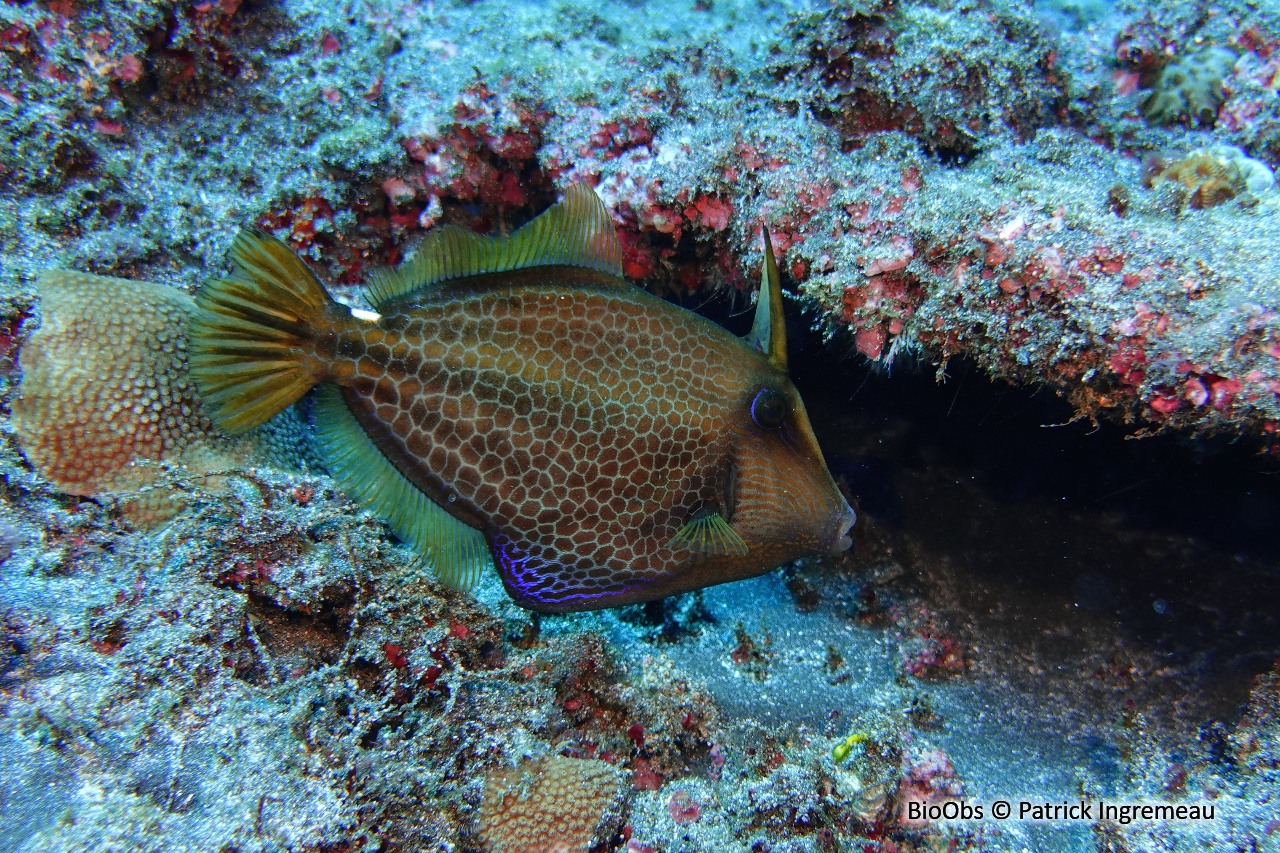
x=206 y=645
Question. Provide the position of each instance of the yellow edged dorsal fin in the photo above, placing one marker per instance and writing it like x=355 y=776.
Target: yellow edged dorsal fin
x=457 y=553
x=709 y=534
x=576 y=232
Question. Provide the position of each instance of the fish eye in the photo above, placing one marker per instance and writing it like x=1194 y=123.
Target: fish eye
x=769 y=408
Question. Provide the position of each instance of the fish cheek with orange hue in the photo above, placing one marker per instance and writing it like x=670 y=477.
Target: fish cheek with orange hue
x=787 y=503
x=781 y=500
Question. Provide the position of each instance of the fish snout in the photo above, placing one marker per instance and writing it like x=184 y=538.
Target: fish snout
x=843 y=524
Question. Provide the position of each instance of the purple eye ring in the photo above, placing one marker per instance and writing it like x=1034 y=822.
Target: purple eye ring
x=769 y=409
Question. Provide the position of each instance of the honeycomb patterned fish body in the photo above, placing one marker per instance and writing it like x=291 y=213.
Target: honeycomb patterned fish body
x=580 y=428
x=515 y=401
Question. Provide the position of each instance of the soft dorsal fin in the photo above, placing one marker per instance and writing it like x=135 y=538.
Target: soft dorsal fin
x=457 y=553
x=575 y=232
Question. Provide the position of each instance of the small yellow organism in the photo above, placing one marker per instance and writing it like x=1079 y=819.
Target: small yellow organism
x=841 y=751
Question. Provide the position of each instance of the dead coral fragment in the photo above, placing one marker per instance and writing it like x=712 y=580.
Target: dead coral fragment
x=549 y=805
x=105 y=396
x=1214 y=175
x=1189 y=89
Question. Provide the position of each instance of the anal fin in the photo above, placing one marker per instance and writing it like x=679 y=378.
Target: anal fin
x=457 y=553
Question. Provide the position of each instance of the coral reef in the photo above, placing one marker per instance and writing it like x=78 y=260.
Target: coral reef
x=1255 y=738
x=955 y=189
x=106 y=408
x=888 y=87
x=1214 y=175
x=105 y=396
x=912 y=67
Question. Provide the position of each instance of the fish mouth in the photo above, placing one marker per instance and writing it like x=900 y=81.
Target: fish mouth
x=845 y=523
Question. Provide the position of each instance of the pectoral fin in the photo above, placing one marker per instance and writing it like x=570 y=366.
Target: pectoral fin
x=709 y=534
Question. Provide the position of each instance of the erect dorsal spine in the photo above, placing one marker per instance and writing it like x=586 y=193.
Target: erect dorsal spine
x=769 y=331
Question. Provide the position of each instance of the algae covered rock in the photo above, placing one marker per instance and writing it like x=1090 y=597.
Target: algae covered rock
x=360 y=145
